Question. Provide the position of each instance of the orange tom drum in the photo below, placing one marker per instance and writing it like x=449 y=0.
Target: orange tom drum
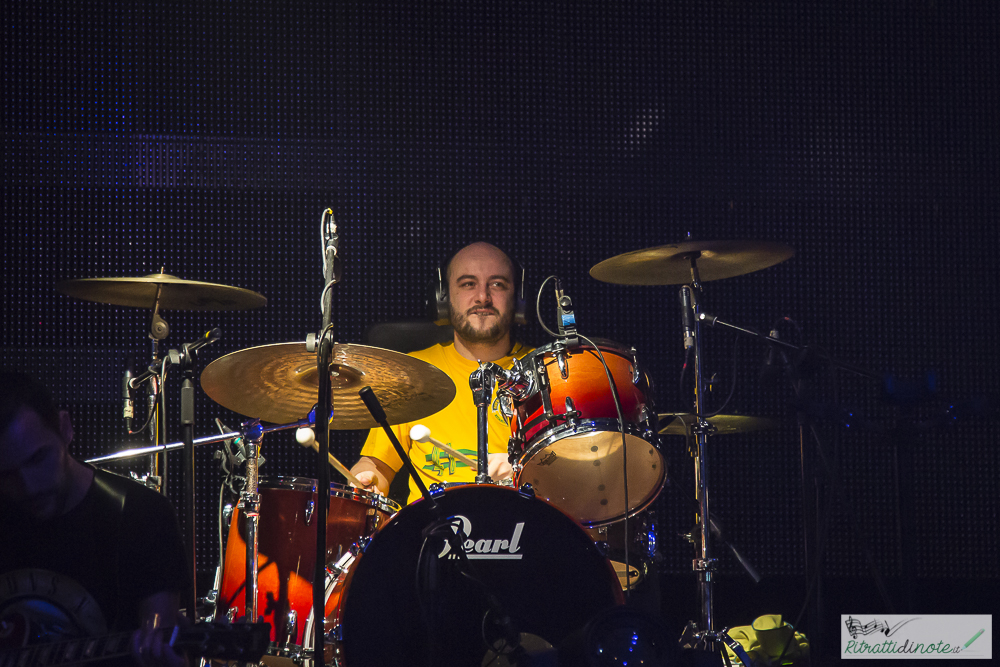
x=287 y=552
x=567 y=438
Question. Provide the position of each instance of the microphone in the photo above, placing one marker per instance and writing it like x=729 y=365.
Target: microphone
x=771 y=370
x=687 y=313
x=566 y=319
x=331 y=246
x=128 y=409
x=210 y=337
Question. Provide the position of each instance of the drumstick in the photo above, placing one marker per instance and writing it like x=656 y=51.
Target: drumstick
x=421 y=433
x=307 y=438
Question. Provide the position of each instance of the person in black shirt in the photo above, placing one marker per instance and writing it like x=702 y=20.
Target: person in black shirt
x=83 y=552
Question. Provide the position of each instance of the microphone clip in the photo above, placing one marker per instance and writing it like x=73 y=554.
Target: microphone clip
x=566 y=318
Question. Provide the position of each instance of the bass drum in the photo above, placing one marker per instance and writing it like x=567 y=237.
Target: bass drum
x=408 y=600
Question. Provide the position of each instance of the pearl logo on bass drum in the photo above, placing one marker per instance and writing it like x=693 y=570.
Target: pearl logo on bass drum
x=484 y=549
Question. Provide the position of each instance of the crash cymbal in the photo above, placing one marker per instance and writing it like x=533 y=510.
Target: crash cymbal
x=278 y=383
x=682 y=422
x=671 y=264
x=176 y=293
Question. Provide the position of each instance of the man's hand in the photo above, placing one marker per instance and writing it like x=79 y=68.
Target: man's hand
x=150 y=644
x=376 y=475
x=498 y=467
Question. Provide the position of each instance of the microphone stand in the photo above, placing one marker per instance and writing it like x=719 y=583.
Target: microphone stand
x=324 y=415
x=184 y=358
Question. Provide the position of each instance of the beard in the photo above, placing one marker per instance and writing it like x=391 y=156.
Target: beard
x=462 y=322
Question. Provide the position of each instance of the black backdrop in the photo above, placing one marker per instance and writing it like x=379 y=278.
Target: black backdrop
x=207 y=137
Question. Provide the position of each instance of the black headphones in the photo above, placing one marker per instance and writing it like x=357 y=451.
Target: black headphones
x=437 y=293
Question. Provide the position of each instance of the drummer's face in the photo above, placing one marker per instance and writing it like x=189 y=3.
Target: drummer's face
x=481 y=293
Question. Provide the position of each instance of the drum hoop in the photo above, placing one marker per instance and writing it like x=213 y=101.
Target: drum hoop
x=310 y=485
x=556 y=433
x=603 y=344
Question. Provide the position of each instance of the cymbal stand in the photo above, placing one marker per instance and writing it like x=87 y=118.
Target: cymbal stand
x=704 y=565
x=481 y=382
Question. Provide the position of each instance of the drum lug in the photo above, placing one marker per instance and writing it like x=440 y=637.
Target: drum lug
x=344 y=562
x=291 y=627
x=527 y=490
x=310 y=508
x=561 y=362
x=227 y=515
x=650 y=418
x=436 y=490
x=231 y=615
x=543 y=385
x=636 y=371
x=571 y=412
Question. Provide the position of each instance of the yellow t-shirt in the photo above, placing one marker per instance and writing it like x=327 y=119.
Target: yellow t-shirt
x=455 y=425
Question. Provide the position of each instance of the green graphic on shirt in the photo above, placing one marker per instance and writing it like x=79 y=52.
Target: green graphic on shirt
x=442 y=463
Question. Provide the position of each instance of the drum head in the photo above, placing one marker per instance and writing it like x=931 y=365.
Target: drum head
x=580 y=469
x=407 y=601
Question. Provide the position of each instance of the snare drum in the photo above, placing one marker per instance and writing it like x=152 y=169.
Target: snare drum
x=528 y=561
x=567 y=438
x=287 y=551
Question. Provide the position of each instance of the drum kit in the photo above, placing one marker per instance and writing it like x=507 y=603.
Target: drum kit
x=472 y=572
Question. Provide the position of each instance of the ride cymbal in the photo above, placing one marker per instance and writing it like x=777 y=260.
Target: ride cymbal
x=683 y=421
x=671 y=264
x=279 y=383
x=175 y=293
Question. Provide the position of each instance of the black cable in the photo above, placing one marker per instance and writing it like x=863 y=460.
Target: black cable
x=157 y=399
x=621 y=431
x=687 y=361
x=732 y=386
x=621 y=421
x=538 y=308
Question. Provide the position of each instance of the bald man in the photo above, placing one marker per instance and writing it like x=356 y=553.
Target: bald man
x=480 y=282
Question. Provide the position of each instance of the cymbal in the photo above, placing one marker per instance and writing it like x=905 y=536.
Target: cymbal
x=671 y=264
x=279 y=383
x=682 y=421
x=176 y=293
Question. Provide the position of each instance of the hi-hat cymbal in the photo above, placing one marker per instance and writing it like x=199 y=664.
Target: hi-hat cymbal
x=279 y=383
x=175 y=293
x=671 y=264
x=682 y=422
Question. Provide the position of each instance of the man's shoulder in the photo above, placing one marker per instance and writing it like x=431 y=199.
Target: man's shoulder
x=129 y=492
x=437 y=351
x=520 y=350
